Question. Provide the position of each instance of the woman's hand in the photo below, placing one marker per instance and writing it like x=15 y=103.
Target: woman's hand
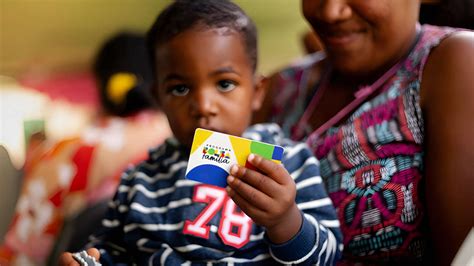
x=267 y=195
x=66 y=258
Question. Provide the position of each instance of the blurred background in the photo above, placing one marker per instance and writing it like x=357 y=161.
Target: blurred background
x=48 y=94
x=47 y=48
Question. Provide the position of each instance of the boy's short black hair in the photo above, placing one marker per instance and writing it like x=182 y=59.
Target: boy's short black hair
x=182 y=15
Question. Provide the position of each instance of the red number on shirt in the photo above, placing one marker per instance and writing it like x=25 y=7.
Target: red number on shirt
x=215 y=198
x=235 y=226
x=232 y=219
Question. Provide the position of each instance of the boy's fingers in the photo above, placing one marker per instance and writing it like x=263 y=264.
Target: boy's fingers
x=94 y=253
x=255 y=179
x=247 y=207
x=66 y=259
x=270 y=168
x=249 y=193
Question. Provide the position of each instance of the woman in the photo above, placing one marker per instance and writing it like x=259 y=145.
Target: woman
x=387 y=110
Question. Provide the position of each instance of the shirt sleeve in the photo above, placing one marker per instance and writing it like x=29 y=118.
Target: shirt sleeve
x=319 y=240
x=117 y=241
x=110 y=238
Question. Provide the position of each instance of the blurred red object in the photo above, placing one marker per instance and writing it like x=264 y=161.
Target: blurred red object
x=76 y=88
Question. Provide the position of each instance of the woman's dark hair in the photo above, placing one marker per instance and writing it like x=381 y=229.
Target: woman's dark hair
x=182 y=15
x=126 y=54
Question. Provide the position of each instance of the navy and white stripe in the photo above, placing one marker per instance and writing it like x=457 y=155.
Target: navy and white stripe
x=144 y=223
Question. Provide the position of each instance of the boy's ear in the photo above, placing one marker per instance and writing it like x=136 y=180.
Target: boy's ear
x=261 y=85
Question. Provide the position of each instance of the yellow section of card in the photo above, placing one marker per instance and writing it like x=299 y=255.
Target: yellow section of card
x=242 y=148
x=199 y=137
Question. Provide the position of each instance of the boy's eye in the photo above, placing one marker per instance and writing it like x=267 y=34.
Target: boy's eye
x=226 y=85
x=179 y=90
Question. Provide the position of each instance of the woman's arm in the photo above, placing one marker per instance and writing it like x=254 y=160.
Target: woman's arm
x=447 y=100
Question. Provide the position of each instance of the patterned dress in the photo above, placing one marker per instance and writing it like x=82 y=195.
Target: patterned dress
x=372 y=163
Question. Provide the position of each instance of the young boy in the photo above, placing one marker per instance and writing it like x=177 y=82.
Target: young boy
x=205 y=57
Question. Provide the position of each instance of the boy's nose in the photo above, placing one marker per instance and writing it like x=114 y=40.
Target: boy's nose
x=332 y=11
x=204 y=104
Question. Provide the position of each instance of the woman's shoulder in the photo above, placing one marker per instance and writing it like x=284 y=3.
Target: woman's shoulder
x=451 y=62
x=435 y=38
x=454 y=48
x=446 y=84
x=444 y=49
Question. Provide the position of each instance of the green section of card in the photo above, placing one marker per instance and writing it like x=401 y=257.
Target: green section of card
x=262 y=149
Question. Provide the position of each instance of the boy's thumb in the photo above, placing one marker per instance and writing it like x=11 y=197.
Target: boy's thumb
x=94 y=253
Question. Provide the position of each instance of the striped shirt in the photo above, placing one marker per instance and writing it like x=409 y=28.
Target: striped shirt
x=158 y=217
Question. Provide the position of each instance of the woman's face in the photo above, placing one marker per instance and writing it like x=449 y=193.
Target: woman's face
x=363 y=37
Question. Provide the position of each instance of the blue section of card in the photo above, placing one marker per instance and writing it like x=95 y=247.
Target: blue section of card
x=209 y=174
x=277 y=153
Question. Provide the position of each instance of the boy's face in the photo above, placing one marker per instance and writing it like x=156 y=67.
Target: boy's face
x=205 y=79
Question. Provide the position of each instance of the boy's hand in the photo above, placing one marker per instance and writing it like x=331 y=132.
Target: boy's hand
x=267 y=196
x=66 y=258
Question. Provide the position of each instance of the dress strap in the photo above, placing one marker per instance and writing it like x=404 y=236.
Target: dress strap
x=301 y=126
x=360 y=95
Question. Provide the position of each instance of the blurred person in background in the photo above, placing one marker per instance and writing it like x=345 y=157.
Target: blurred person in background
x=63 y=178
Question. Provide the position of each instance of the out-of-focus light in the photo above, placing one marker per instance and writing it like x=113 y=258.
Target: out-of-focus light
x=64 y=120
x=23 y=110
x=18 y=105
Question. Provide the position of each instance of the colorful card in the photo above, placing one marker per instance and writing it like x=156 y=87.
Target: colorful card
x=213 y=153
